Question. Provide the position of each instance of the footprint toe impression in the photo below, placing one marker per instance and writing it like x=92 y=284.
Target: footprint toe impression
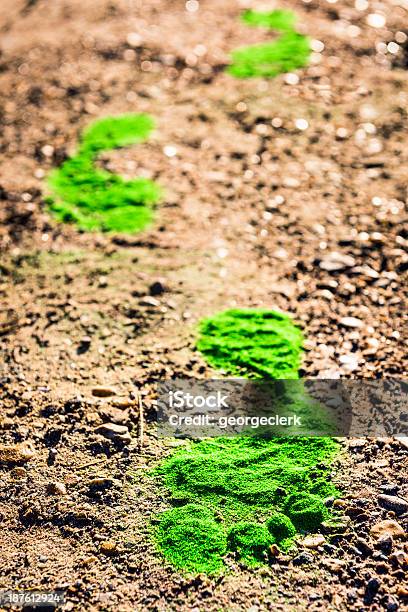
x=288 y=52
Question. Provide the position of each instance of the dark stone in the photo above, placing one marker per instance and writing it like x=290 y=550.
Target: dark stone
x=364 y=547
x=385 y=544
x=303 y=559
x=371 y=591
x=157 y=288
x=391 y=488
x=394 y=503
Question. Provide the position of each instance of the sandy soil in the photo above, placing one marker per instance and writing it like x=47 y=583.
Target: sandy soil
x=254 y=210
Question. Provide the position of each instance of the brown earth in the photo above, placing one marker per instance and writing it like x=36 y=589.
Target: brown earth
x=254 y=209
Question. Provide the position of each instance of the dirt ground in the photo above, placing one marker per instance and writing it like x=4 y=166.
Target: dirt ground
x=257 y=212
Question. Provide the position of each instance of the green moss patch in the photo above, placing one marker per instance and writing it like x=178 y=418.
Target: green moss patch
x=97 y=200
x=245 y=493
x=307 y=511
x=281 y=529
x=252 y=343
x=287 y=53
x=249 y=489
x=192 y=539
x=250 y=541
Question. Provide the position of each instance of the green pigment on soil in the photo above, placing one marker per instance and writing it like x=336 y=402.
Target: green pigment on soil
x=240 y=495
x=248 y=492
x=252 y=343
x=95 y=199
x=289 y=52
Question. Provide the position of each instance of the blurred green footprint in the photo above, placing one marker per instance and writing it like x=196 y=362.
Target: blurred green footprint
x=95 y=199
x=289 y=52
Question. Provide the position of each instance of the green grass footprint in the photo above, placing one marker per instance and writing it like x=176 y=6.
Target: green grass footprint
x=242 y=494
x=289 y=52
x=97 y=200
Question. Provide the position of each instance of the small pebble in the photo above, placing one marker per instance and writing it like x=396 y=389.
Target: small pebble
x=387 y=528
x=357 y=443
x=376 y=20
x=101 y=482
x=89 y=561
x=364 y=547
x=394 y=503
x=134 y=39
x=303 y=559
x=314 y=541
x=18 y=472
x=350 y=361
x=351 y=322
x=149 y=301
x=19 y=453
x=157 y=288
x=103 y=391
x=385 y=544
x=403 y=440
x=113 y=414
x=112 y=431
x=399 y=557
x=56 y=488
x=123 y=402
x=109 y=548
x=335 y=262
x=170 y=151
x=371 y=590
x=402 y=591
x=301 y=124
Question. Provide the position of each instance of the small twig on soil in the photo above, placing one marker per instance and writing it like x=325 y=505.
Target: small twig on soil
x=90 y=463
x=141 y=421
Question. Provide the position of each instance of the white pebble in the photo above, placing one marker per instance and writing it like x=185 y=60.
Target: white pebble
x=368 y=112
x=374 y=146
x=369 y=128
x=376 y=20
x=351 y=322
x=170 y=151
x=47 y=150
x=134 y=39
x=342 y=133
x=200 y=50
x=301 y=124
x=353 y=31
x=317 y=46
x=192 y=6
x=349 y=361
x=291 y=78
x=393 y=48
x=401 y=37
